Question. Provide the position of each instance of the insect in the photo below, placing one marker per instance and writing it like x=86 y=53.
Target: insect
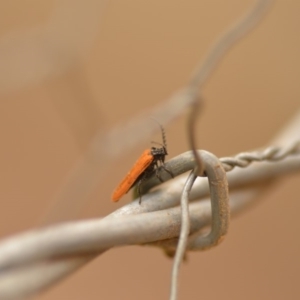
x=144 y=167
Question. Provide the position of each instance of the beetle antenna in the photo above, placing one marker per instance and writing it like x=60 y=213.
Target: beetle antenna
x=163 y=133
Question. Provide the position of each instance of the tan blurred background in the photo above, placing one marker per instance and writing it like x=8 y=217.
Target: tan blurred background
x=128 y=56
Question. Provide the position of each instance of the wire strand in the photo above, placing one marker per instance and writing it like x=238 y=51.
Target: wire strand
x=184 y=232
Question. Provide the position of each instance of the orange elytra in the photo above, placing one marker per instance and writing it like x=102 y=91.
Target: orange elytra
x=144 y=167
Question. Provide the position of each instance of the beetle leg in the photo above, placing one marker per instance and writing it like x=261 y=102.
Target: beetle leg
x=157 y=172
x=167 y=170
x=162 y=165
x=142 y=179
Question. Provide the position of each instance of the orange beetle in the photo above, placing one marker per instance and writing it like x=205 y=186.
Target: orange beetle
x=144 y=167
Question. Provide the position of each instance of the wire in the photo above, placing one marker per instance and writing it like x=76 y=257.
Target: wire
x=184 y=232
x=274 y=153
x=68 y=246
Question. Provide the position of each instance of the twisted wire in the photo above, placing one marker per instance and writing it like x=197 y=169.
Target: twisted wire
x=186 y=162
x=273 y=153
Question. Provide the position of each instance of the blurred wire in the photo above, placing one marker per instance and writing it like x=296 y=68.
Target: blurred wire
x=30 y=56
